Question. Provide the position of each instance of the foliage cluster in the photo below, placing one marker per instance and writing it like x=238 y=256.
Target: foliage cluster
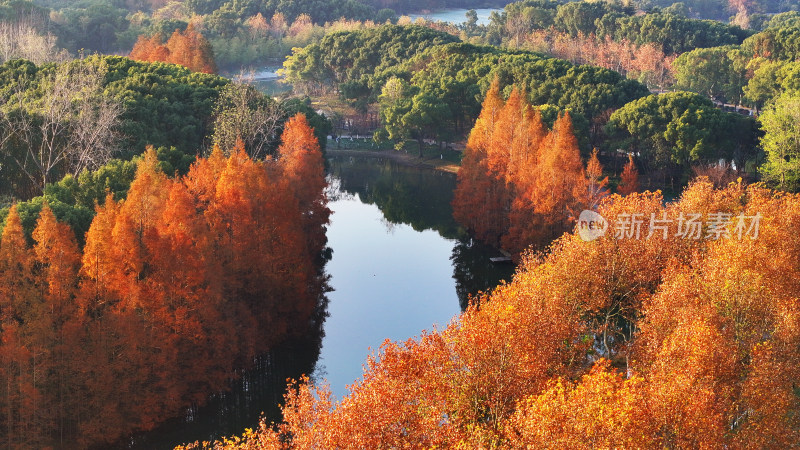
x=762 y=73
x=674 y=32
x=178 y=285
x=672 y=131
x=616 y=342
x=419 y=83
x=163 y=105
x=187 y=48
x=519 y=183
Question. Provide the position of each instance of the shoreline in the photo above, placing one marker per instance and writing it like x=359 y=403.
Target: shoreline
x=407 y=159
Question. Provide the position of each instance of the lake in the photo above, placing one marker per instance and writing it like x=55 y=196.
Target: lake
x=400 y=264
x=268 y=82
x=457 y=16
x=394 y=245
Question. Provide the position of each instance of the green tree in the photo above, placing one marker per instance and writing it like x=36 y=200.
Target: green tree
x=674 y=33
x=716 y=72
x=92 y=26
x=771 y=79
x=579 y=17
x=359 y=74
x=781 y=142
x=763 y=85
x=674 y=130
x=408 y=113
x=244 y=113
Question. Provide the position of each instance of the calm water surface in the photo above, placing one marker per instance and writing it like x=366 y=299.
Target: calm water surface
x=392 y=271
x=457 y=16
x=399 y=265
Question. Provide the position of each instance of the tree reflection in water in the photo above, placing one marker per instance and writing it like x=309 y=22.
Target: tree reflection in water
x=413 y=196
x=421 y=198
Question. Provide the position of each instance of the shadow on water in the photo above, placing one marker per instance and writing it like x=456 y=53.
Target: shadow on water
x=405 y=195
x=255 y=393
x=422 y=199
x=474 y=272
x=259 y=391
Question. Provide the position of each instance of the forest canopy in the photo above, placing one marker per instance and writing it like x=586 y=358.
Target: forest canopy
x=455 y=76
x=616 y=342
x=176 y=287
x=164 y=105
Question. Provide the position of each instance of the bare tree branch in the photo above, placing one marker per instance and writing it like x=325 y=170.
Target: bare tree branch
x=244 y=112
x=70 y=127
x=21 y=39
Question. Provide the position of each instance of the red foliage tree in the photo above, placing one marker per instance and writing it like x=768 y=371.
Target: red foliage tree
x=188 y=48
x=478 y=198
x=177 y=286
x=629 y=180
x=518 y=184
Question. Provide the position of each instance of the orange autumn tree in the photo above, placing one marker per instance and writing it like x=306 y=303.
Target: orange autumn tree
x=16 y=270
x=303 y=169
x=58 y=332
x=149 y=48
x=524 y=225
x=19 y=306
x=479 y=198
x=519 y=184
x=560 y=183
x=188 y=48
x=602 y=410
x=666 y=341
x=629 y=180
x=597 y=185
x=179 y=285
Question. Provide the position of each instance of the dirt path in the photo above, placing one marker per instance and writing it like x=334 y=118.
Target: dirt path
x=407 y=159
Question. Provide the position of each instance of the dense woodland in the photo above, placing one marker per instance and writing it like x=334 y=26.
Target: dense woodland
x=104 y=331
x=671 y=338
x=432 y=90
x=251 y=33
x=427 y=88
x=164 y=226
x=176 y=286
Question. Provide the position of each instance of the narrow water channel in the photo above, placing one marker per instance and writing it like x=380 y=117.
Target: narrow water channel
x=400 y=264
x=393 y=241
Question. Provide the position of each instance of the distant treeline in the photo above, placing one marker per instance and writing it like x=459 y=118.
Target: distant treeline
x=416 y=72
x=254 y=32
x=427 y=86
x=670 y=28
